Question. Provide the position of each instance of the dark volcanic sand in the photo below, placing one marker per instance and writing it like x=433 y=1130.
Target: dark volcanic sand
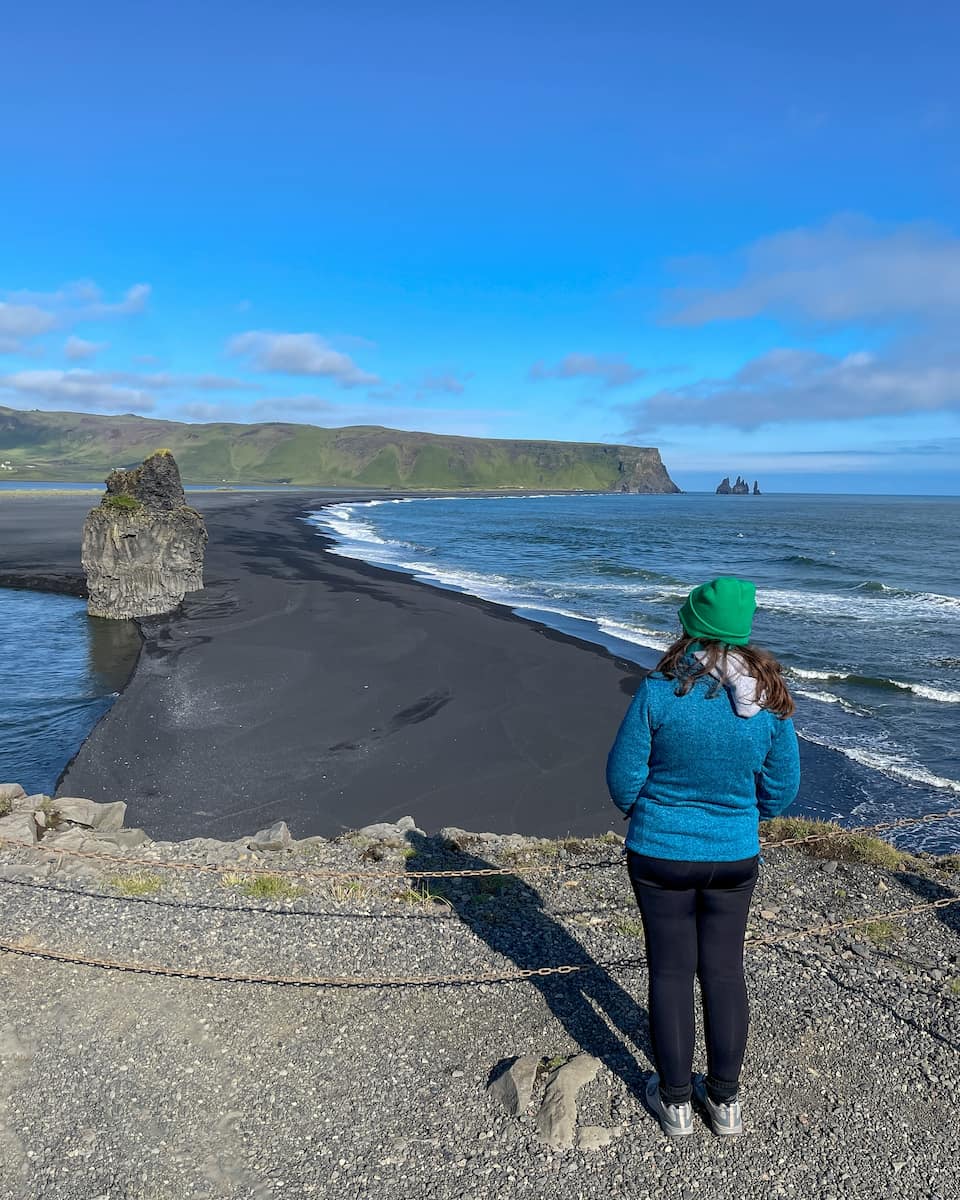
x=303 y=686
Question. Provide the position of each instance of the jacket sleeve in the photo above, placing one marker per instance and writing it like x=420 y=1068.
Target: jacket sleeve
x=778 y=780
x=628 y=760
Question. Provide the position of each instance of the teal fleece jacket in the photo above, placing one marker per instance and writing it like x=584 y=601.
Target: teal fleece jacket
x=694 y=777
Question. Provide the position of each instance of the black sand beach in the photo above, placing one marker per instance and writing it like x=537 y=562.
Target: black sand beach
x=303 y=686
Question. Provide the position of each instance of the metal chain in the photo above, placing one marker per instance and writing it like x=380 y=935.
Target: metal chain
x=353 y=981
x=528 y=869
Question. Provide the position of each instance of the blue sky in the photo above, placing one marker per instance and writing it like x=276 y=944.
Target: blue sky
x=729 y=231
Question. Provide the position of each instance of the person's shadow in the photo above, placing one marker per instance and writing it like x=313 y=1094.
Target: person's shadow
x=508 y=914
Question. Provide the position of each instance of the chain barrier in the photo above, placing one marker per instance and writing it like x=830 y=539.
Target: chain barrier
x=515 y=869
x=489 y=977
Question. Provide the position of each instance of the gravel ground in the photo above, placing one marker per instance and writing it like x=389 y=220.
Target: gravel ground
x=119 y=1085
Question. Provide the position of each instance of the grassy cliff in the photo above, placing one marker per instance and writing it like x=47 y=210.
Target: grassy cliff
x=85 y=446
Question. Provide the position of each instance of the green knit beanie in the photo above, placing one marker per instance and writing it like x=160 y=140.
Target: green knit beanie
x=721 y=610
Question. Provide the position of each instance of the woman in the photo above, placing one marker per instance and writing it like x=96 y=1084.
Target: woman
x=706 y=749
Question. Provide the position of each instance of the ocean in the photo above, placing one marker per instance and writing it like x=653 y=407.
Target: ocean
x=61 y=671
x=858 y=596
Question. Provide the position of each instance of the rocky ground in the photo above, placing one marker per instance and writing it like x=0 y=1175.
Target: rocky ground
x=121 y=1085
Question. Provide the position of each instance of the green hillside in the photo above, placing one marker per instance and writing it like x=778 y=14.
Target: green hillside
x=84 y=446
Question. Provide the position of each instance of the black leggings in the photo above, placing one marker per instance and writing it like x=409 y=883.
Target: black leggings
x=694 y=921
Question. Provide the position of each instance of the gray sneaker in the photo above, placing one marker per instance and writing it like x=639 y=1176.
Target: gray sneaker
x=726 y=1119
x=676 y=1120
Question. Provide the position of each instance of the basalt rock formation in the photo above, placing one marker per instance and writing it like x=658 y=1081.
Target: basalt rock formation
x=142 y=544
x=740 y=488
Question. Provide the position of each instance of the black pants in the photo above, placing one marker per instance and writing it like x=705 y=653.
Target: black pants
x=694 y=921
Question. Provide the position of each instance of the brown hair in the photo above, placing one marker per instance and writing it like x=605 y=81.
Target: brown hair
x=771 y=686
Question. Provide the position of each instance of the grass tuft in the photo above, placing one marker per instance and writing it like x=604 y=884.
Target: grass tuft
x=139 y=884
x=857 y=847
x=882 y=933
x=342 y=891
x=121 y=501
x=263 y=887
x=629 y=928
x=421 y=894
x=953 y=986
x=6 y=806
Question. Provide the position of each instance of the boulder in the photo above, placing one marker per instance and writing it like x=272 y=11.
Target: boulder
x=19 y=827
x=142 y=545
x=126 y=839
x=10 y=792
x=557 y=1119
x=460 y=839
x=386 y=831
x=73 y=837
x=103 y=818
x=514 y=1086
x=277 y=837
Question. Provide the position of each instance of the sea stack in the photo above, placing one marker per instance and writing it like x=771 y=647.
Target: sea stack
x=756 y=488
x=740 y=488
x=142 y=545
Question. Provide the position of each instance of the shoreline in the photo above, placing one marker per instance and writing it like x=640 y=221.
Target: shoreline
x=442 y=713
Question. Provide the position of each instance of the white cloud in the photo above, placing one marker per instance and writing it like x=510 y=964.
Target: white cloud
x=448 y=382
x=847 y=270
x=298 y=354
x=79 y=350
x=612 y=372
x=18 y=322
x=26 y=315
x=790 y=385
x=75 y=389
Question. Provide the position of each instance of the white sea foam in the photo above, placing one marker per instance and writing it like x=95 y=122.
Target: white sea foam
x=893 y=764
x=806 y=673
x=929 y=693
x=925 y=691
x=831 y=698
x=653 y=638
x=873 y=604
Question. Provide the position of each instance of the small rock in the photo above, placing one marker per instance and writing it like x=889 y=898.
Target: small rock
x=11 y=792
x=514 y=1087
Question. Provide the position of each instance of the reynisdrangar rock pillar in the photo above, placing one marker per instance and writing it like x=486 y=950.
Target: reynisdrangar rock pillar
x=142 y=545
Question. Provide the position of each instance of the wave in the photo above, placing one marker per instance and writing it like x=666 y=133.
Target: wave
x=831 y=698
x=807 y=560
x=871 y=600
x=888 y=762
x=926 y=691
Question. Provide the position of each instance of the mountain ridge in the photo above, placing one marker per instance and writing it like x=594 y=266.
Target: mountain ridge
x=69 y=446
